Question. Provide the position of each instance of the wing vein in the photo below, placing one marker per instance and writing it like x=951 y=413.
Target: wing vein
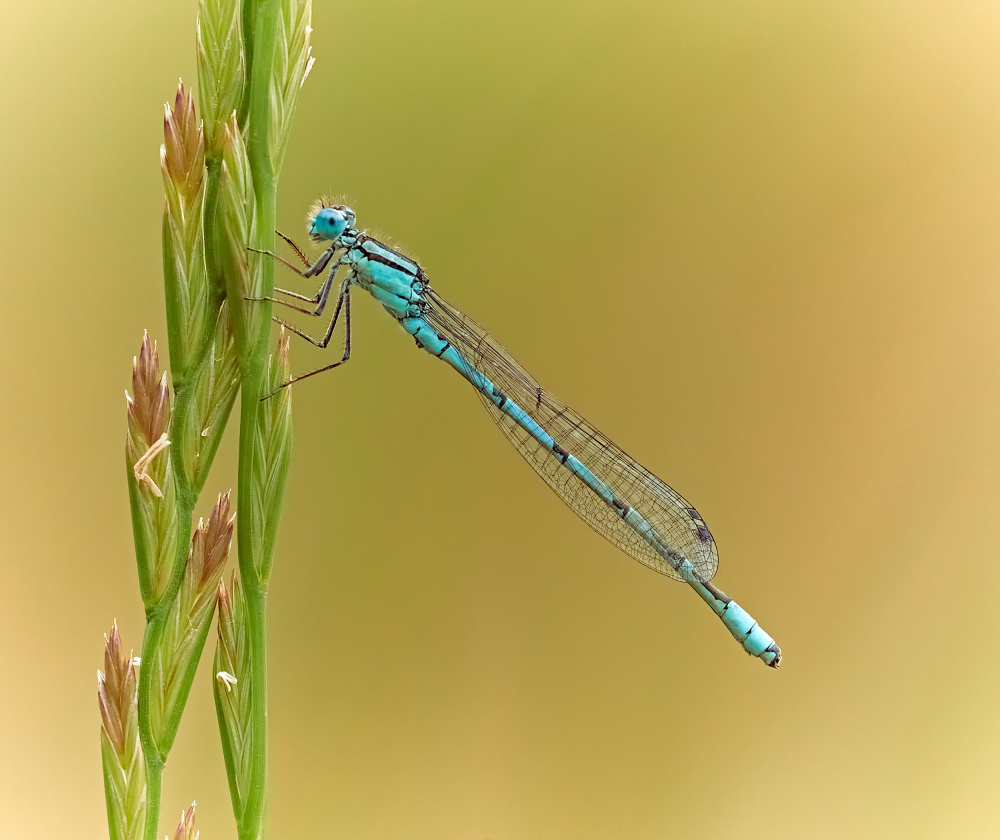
x=678 y=524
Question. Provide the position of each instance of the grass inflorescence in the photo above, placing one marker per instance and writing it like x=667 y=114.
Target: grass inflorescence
x=220 y=170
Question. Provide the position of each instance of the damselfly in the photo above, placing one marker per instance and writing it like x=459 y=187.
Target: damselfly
x=611 y=492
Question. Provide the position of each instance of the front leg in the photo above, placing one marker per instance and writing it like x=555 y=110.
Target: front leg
x=322 y=294
x=311 y=270
x=345 y=301
x=295 y=248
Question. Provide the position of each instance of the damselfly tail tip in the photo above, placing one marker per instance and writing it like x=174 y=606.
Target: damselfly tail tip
x=772 y=656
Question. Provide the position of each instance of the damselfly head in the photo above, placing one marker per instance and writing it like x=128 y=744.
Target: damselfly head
x=330 y=222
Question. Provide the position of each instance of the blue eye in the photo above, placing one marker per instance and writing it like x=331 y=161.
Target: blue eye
x=329 y=224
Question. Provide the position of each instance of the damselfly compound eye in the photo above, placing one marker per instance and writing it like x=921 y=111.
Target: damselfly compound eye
x=328 y=223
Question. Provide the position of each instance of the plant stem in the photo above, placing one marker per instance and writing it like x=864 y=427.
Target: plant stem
x=264 y=16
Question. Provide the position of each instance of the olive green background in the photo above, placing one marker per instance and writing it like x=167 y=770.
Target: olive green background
x=756 y=242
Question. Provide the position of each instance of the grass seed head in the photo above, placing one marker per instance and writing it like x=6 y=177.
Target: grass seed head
x=150 y=477
x=238 y=231
x=221 y=66
x=173 y=663
x=186 y=829
x=232 y=686
x=273 y=431
x=209 y=551
x=215 y=388
x=121 y=751
x=182 y=161
x=182 y=155
x=149 y=404
x=116 y=694
x=292 y=62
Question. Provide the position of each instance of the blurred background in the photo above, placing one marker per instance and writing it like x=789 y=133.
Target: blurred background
x=754 y=242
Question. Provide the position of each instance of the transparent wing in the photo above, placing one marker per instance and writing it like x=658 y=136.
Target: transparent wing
x=679 y=524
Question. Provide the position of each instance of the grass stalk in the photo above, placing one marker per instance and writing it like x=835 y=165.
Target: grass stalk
x=264 y=19
x=278 y=61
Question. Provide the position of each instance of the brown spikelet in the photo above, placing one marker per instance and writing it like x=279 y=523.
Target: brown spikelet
x=209 y=550
x=182 y=161
x=116 y=693
x=183 y=151
x=149 y=404
x=150 y=478
x=186 y=829
x=121 y=751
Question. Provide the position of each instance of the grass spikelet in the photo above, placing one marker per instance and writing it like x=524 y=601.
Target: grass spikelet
x=121 y=752
x=151 y=486
x=214 y=392
x=221 y=67
x=237 y=230
x=185 y=828
x=233 y=676
x=182 y=162
x=174 y=662
x=272 y=450
x=292 y=62
x=209 y=551
x=182 y=155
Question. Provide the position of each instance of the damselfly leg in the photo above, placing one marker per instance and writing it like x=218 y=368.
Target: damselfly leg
x=320 y=299
x=322 y=294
